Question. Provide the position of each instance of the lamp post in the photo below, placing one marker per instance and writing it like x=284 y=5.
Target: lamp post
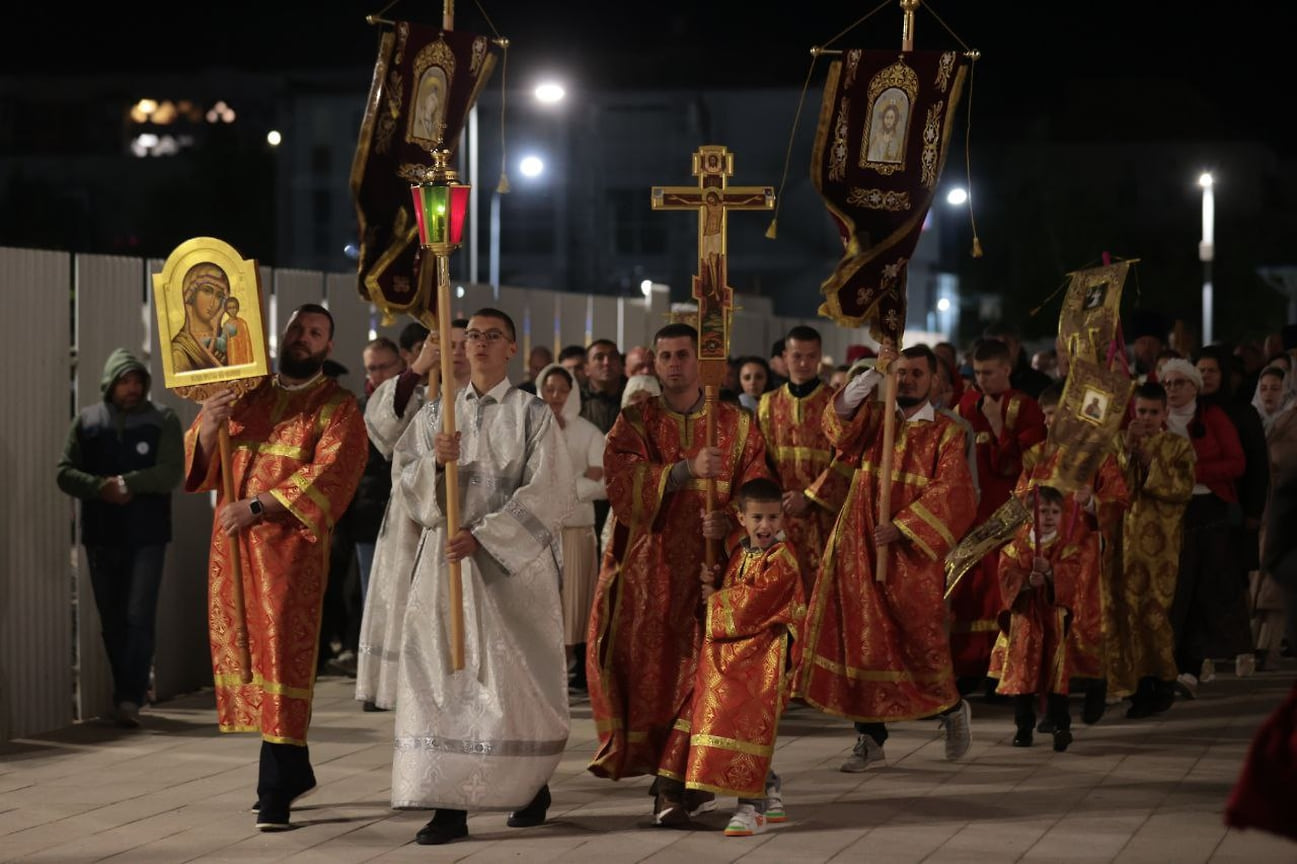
x=530 y=167
x=440 y=204
x=1207 y=251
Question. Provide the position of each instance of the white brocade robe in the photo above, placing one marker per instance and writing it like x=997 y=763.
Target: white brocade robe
x=394 y=557
x=489 y=736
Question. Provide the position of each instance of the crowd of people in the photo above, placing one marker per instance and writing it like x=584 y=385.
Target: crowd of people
x=692 y=572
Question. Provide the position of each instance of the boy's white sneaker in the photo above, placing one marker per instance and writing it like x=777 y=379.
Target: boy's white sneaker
x=745 y=822
x=775 y=804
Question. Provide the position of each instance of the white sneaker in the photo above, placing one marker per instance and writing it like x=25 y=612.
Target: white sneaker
x=1186 y=684
x=959 y=730
x=1208 y=672
x=1245 y=665
x=745 y=822
x=775 y=803
x=867 y=754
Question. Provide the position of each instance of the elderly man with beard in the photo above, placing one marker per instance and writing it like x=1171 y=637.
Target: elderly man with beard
x=876 y=650
x=299 y=450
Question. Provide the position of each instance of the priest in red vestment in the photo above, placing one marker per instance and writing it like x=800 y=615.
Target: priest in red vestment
x=877 y=651
x=299 y=449
x=797 y=448
x=1006 y=422
x=646 y=629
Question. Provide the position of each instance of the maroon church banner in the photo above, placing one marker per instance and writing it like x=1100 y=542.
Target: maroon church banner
x=425 y=81
x=881 y=144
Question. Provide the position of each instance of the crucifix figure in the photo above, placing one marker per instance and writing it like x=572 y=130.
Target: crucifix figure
x=712 y=198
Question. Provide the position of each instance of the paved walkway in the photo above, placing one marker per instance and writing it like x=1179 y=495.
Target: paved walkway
x=1127 y=791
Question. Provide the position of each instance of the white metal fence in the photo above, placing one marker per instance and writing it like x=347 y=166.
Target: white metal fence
x=64 y=315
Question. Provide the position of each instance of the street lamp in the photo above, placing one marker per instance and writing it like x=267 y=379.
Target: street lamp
x=1207 y=251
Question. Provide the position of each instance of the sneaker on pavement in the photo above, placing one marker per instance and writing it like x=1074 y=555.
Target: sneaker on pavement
x=1208 y=672
x=867 y=754
x=1186 y=684
x=775 y=803
x=1245 y=665
x=745 y=822
x=959 y=730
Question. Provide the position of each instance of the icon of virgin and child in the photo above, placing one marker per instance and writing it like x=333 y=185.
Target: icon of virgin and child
x=213 y=333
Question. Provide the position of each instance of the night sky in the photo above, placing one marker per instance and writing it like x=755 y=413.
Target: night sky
x=1234 y=56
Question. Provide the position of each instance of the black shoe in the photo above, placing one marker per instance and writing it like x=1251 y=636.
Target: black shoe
x=1138 y=710
x=1062 y=738
x=1022 y=738
x=445 y=827
x=273 y=816
x=298 y=796
x=534 y=813
x=1045 y=726
x=1095 y=704
x=371 y=706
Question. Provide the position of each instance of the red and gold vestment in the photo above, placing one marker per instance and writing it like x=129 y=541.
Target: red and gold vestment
x=800 y=454
x=975 y=602
x=308 y=449
x=879 y=651
x=744 y=673
x=646 y=627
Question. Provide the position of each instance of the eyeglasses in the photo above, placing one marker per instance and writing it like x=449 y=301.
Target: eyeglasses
x=491 y=336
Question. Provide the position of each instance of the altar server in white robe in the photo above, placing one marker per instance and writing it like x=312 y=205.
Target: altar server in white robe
x=489 y=736
x=389 y=411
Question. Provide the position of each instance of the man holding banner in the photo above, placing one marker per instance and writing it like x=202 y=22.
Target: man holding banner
x=299 y=449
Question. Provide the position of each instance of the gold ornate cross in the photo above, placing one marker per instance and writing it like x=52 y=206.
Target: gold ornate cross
x=713 y=199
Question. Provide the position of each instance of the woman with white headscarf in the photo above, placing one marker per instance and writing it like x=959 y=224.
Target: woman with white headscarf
x=585 y=445
x=1210 y=593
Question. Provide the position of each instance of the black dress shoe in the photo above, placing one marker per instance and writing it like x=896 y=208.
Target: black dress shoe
x=445 y=827
x=303 y=792
x=1062 y=738
x=1045 y=726
x=371 y=706
x=1022 y=738
x=534 y=813
x=272 y=815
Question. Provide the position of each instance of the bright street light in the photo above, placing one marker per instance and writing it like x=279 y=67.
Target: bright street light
x=957 y=196
x=531 y=166
x=1205 y=180
x=943 y=305
x=646 y=287
x=549 y=92
x=1206 y=252
x=273 y=138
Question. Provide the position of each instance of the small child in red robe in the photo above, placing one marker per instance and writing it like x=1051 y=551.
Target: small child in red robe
x=1038 y=573
x=745 y=665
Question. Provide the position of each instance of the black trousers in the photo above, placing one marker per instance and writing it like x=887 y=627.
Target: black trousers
x=285 y=772
x=1209 y=612
x=1024 y=710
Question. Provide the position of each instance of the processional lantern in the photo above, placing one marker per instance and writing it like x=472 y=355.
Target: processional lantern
x=440 y=205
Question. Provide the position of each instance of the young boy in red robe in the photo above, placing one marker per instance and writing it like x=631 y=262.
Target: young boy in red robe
x=1038 y=572
x=745 y=666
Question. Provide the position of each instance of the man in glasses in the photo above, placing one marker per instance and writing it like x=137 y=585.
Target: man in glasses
x=489 y=736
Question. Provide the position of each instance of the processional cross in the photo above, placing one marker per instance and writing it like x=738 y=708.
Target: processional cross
x=713 y=198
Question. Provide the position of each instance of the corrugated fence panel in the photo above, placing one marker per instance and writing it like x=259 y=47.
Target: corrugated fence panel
x=182 y=661
x=110 y=308
x=35 y=517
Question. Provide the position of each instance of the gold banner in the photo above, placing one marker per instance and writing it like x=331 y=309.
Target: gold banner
x=985 y=538
x=1087 y=421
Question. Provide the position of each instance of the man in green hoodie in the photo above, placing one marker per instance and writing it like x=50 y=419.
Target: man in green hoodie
x=122 y=458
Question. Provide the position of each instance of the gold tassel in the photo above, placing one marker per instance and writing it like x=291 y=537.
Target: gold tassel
x=773 y=229
x=503 y=186
x=977 y=246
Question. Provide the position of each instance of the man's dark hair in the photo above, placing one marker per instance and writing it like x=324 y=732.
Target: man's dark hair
x=676 y=330
x=803 y=333
x=602 y=343
x=488 y=312
x=461 y=323
x=1051 y=395
x=412 y=334
x=989 y=350
x=314 y=309
x=759 y=489
x=1152 y=391
x=1050 y=494
x=777 y=349
x=915 y=352
x=384 y=343
x=571 y=351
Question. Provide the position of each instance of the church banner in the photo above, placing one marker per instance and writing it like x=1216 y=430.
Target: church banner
x=425 y=81
x=883 y=135
x=1087 y=324
x=1087 y=421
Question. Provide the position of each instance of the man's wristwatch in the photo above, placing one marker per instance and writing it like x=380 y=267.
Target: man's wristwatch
x=254 y=506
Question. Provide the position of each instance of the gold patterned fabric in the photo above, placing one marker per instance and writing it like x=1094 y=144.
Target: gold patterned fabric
x=800 y=457
x=1137 y=624
x=1034 y=618
x=878 y=651
x=645 y=629
x=308 y=449
x=744 y=672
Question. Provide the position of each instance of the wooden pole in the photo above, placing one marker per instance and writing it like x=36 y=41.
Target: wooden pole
x=236 y=569
x=709 y=406
x=455 y=586
x=448 y=15
x=885 y=466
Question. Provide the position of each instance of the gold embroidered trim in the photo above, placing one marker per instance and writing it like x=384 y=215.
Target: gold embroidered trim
x=916 y=540
x=936 y=524
x=931 y=145
x=879 y=199
x=718 y=743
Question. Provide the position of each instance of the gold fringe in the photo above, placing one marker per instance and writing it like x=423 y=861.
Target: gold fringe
x=773 y=230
